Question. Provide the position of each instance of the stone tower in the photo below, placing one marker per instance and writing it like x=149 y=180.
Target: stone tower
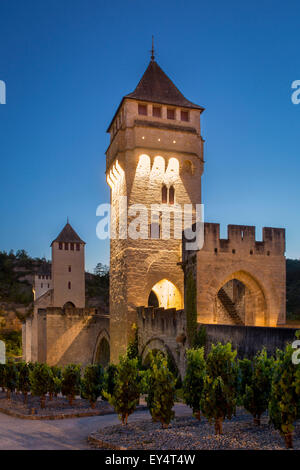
x=68 y=269
x=155 y=156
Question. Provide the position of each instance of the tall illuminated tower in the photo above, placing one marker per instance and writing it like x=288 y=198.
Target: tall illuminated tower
x=155 y=156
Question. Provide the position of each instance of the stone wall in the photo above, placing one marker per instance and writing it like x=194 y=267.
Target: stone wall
x=165 y=330
x=250 y=339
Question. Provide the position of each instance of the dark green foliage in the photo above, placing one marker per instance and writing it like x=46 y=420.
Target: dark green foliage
x=219 y=396
x=126 y=393
x=10 y=377
x=244 y=377
x=92 y=383
x=2 y=368
x=293 y=289
x=55 y=381
x=40 y=378
x=23 y=379
x=191 y=308
x=97 y=285
x=200 y=337
x=161 y=396
x=133 y=345
x=13 y=343
x=257 y=392
x=110 y=379
x=285 y=394
x=194 y=379
x=71 y=382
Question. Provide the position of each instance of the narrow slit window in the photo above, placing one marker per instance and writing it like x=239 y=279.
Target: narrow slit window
x=72 y=246
x=69 y=285
x=171 y=195
x=164 y=194
x=60 y=246
x=66 y=246
x=77 y=246
x=184 y=116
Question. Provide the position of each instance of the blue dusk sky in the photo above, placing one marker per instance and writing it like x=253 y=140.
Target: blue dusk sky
x=67 y=64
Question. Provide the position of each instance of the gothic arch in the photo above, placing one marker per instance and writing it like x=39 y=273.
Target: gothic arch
x=167 y=294
x=256 y=302
x=101 y=354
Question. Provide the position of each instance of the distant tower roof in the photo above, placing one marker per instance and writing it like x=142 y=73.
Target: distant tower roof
x=68 y=235
x=156 y=86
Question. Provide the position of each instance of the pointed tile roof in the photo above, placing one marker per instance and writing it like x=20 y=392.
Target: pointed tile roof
x=68 y=235
x=157 y=87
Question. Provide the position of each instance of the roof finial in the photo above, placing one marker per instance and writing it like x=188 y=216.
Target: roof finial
x=67 y=219
x=152 y=50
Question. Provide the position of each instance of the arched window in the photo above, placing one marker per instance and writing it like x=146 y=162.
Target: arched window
x=164 y=194
x=171 y=195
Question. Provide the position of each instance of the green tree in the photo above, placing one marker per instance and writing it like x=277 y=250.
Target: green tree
x=219 y=396
x=285 y=394
x=160 y=399
x=10 y=378
x=133 y=345
x=244 y=377
x=127 y=389
x=23 y=380
x=71 y=382
x=257 y=392
x=2 y=382
x=40 y=378
x=92 y=383
x=194 y=379
x=110 y=379
x=55 y=381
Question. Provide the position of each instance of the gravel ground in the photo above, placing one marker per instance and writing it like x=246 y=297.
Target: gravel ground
x=186 y=433
x=57 y=406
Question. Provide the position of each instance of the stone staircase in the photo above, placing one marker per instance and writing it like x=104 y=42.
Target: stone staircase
x=229 y=307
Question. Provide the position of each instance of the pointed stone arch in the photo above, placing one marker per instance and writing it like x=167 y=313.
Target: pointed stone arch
x=101 y=353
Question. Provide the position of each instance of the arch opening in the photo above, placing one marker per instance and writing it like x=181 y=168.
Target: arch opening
x=165 y=294
x=240 y=300
x=102 y=356
x=69 y=305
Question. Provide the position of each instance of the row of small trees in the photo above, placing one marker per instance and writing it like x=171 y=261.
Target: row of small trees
x=42 y=380
x=216 y=386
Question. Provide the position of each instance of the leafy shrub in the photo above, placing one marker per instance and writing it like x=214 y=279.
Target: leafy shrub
x=40 y=378
x=219 y=396
x=23 y=380
x=257 y=392
x=92 y=383
x=71 y=382
x=127 y=388
x=110 y=379
x=194 y=379
x=244 y=377
x=133 y=345
x=55 y=381
x=10 y=378
x=285 y=395
x=161 y=396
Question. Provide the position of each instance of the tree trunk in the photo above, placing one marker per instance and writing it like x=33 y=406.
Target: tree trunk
x=71 y=398
x=198 y=415
x=219 y=426
x=126 y=418
x=288 y=440
x=50 y=396
x=25 y=397
x=43 y=401
x=165 y=425
x=257 y=421
x=8 y=394
x=93 y=404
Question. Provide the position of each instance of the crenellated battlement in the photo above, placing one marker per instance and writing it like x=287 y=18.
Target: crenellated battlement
x=243 y=238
